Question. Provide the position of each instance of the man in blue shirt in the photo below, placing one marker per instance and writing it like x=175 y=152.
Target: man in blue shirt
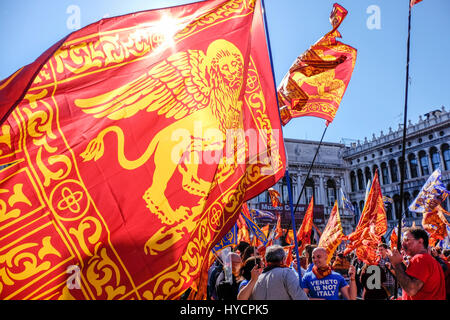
x=323 y=283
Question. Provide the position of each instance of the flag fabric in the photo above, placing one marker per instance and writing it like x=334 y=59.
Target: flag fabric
x=304 y=232
x=229 y=240
x=263 y=216
x=445 y=243
x=127 y=154
x=346 y=204
x=333 y=234
x=431 y=195
x=274 y=197
x=318 y=79
x=371 y=227
x=393 y=239
x=436 y=224
x=243 y=232
x=278 y=229
x=413 y=2
x=255 y=231
x=369 y=185
x=387 y=200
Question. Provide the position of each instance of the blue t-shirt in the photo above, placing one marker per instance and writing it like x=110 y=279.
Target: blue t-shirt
x=326 y=288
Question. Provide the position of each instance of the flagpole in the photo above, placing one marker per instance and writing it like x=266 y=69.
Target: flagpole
x=310 y=168
x=405 y=116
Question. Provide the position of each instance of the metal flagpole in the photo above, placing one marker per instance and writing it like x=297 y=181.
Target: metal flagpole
x=402 y=161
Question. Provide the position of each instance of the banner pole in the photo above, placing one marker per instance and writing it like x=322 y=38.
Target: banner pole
x=402 y=161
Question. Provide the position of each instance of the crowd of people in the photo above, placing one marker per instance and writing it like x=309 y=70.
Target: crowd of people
x=416 y=272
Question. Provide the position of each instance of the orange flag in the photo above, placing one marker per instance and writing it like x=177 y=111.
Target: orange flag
x=127 y=155
x=333 y=234
x=278 y=229
x=289 y=236
x=371 y=227
x=274 y=197
x=393 y=239
x=304 y=233
x=243 y=232
x=317 y=81
x=435 y=224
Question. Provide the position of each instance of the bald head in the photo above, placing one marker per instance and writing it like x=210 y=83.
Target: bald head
x=319 y=257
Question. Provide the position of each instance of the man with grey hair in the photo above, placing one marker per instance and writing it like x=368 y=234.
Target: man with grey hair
x=277 y=282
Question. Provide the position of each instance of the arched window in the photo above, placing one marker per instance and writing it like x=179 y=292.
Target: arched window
x=368 y=174
x=309 y=190
x=331 y=192
x=384 y=173
x=424 y=163
x=402 y=163
x=375 y=169
x=435 y=161
x=446 y=155
x=413 y=165
x=355 y=205
x=389 y=211
x=394 y=170
x=406 y=202
x=397 y=205
x=353 y=181
x=361 y=184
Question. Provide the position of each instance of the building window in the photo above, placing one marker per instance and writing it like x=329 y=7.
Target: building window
x=413 y=166
x=435 y=161
x=368 y=174
x=353 y=181
x=361 y=206
x=331 y=192
x=309 y=190
x=361 y=184
x=424 y=163
x=375 y=169
x=405 y=170
x=406 y=201
x=394 y=171
x=446 y=155
x=384 y=173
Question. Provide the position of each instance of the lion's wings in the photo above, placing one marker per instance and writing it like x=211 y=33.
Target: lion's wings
x=175 y=87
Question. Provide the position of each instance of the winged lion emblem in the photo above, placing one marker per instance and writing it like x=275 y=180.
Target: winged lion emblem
x=185 y=87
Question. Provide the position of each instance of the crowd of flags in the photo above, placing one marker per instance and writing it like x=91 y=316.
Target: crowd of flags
x=371 y=229
x=313 y=86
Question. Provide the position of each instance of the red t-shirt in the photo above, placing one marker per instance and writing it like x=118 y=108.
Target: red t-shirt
x=425 y=268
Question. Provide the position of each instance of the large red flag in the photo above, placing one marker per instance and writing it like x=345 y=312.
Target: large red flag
x=318 y=79
x=333 y=234
x=129 y=152
x=413 y=2
x=371 y=227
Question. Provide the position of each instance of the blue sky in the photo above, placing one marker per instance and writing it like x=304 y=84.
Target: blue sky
x=374 y=100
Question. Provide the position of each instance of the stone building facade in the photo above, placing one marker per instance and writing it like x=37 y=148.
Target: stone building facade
x=427 y=148
x=351 y=166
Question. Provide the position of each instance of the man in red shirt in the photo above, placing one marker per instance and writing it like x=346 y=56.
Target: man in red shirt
x=423 y=279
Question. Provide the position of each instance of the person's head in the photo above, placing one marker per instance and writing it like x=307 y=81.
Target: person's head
x=246 y=269
x=308 y=252
x=382 y=250
x=446 y=253
x=414 y=240
x=319 y=257
x=248 y=252
x=236 y=262
x=241 y=247
x=275 y=254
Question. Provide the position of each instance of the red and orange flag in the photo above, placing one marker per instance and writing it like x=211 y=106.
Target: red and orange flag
x=304 y=233
x=393 y=239
x=278 y=229
x=274 y=197
x=435 y=223
x=318 y=79
x=333 y=234
x=127 y=155
x=413 y=2
x=371 y=227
